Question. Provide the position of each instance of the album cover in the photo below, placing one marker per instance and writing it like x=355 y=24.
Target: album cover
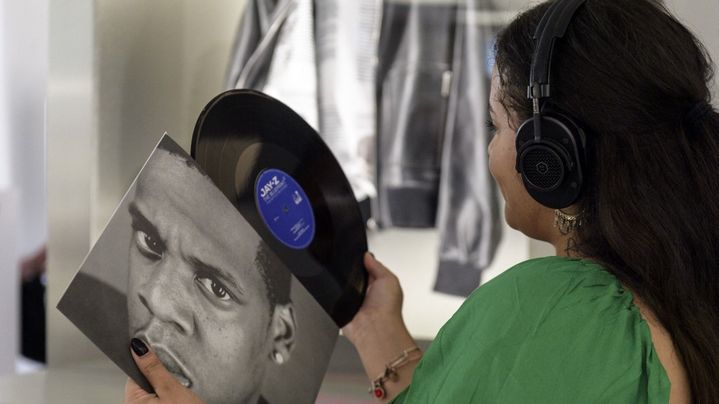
x=180 y=268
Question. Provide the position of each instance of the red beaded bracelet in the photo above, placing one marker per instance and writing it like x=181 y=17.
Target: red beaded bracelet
x=390 y=372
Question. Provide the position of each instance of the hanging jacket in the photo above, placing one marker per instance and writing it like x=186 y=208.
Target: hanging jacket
x=318 y=58
x=469 y=218
x=346 y=41
x=255 y=42
x=432 y=84
x=432 y=91
x=413 y=82
x=275 y=53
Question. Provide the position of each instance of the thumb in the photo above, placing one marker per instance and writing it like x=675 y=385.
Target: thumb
x=135 y=394
x=150 y=366
x=375 y=268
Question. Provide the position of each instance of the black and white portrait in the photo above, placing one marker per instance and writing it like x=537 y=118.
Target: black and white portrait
x=180 y=268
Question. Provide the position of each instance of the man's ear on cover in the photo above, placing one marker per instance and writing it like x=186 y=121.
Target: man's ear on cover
x=282 y=332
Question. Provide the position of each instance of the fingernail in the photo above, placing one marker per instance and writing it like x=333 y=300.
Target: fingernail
x=372 y=255
x=138 y=347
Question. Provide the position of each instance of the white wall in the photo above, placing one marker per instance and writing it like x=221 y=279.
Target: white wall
x=24 y=61
x=158 y=64
x=9 y=286
x=8 y=260
x=701 y=18
x=23 y=229
x=5 y=172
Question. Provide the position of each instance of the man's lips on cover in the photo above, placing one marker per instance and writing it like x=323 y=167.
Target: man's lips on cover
x=171 y=362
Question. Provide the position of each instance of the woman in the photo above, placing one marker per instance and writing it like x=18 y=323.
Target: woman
x=627 y=311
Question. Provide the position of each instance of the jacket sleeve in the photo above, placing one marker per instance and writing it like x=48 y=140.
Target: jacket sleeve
x=254 y=24
x=469 y=221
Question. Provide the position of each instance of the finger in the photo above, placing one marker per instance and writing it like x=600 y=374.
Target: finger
x=375 y=268
x=150 y=366
x=136 y=394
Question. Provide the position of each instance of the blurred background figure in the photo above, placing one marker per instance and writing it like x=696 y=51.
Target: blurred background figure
x=23 y=230
x=32 y=304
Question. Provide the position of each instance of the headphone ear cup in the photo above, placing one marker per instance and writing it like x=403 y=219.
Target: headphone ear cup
x=550 y=167
x=541 y=164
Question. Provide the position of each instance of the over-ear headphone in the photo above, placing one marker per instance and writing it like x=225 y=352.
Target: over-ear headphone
x=551 y=147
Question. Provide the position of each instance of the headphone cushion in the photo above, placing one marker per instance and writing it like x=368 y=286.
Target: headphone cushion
x=551 y=167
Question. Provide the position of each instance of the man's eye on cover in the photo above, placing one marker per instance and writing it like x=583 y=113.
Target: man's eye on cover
x=213 y=286
x=148 y=245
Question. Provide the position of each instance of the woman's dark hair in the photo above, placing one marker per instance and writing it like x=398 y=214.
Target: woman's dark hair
x=630 y=73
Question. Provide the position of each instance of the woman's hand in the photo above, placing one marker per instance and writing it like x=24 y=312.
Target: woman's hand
x=382 y=303
x=378 y=331
x=167 y=389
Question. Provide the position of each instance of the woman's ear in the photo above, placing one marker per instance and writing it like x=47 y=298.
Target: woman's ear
x=282 y=332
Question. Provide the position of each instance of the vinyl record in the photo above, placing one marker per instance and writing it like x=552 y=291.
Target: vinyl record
x=288 y=185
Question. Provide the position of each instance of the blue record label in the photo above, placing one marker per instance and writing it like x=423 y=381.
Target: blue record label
x=285 y=208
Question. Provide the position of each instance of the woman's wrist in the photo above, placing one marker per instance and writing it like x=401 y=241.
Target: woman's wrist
x=393 y=372
x=386 y=380
x=379 y=339
x=369 y=330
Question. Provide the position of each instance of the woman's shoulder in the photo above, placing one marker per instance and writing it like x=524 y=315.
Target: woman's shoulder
x=551 y=327
x=550 y=289
x=549 y=283
x=552 y=270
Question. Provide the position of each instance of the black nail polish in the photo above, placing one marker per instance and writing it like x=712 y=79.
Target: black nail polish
x=138 y=346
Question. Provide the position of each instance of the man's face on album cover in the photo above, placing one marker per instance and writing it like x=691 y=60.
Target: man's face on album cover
x=195 y=293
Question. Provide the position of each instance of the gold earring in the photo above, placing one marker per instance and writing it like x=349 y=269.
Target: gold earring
x=565 y=222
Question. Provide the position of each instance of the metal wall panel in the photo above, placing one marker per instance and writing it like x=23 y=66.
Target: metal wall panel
x=121 y=73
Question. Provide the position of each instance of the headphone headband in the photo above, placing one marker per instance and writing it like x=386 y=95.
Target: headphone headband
x=553 y=25
x=550 y=145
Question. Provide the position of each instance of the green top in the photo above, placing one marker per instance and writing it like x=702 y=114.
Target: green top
x=548 y=330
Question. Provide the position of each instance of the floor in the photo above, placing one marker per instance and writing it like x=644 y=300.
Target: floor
x=102 y=382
